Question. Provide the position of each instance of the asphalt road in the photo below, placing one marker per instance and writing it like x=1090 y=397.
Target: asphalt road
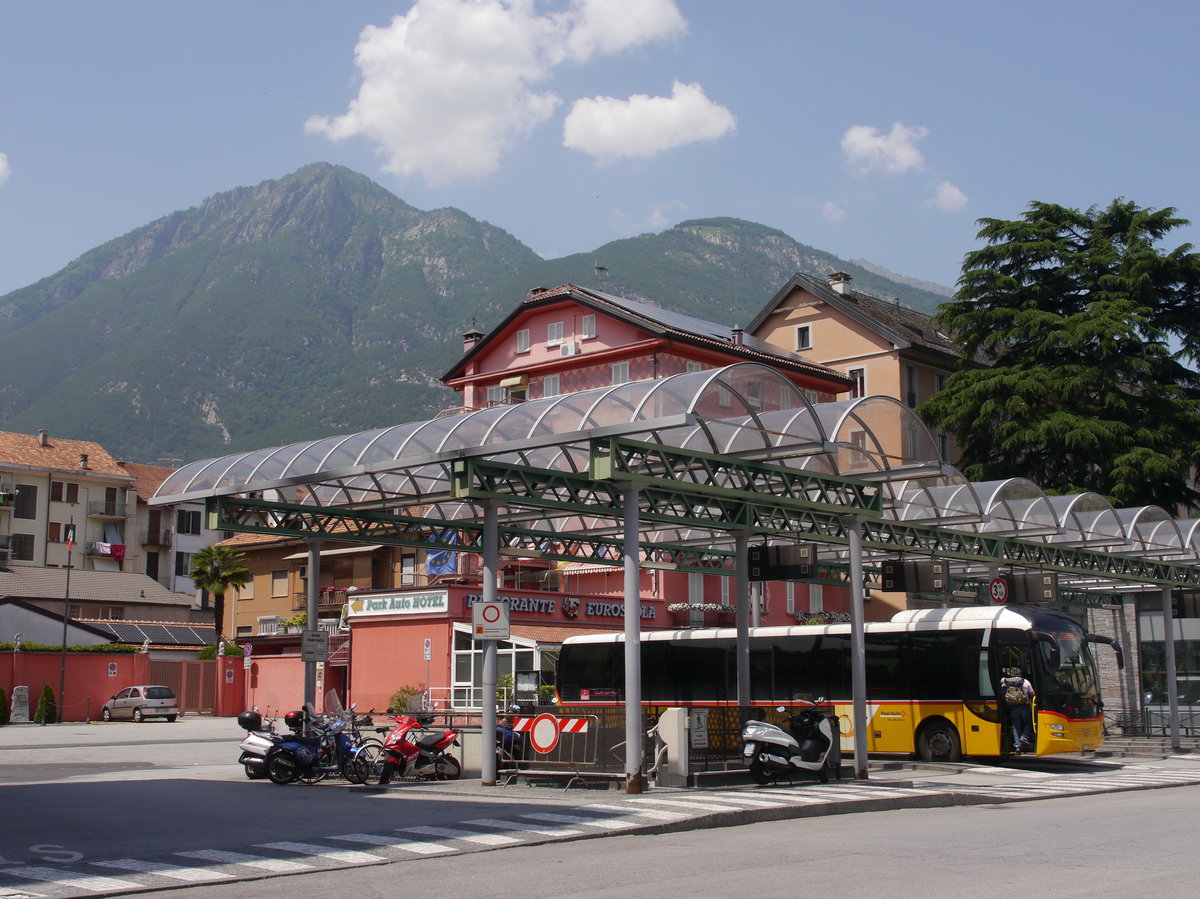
x=106 y=809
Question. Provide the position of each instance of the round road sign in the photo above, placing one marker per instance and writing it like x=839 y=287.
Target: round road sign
x=998 y=588
x=543 y=734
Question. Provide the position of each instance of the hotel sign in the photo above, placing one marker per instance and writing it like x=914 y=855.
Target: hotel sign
x=434 y=602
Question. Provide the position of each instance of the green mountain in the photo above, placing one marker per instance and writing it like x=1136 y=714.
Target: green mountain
x=321 y=303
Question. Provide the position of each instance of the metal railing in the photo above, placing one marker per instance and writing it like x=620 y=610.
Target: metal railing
x=107 y=510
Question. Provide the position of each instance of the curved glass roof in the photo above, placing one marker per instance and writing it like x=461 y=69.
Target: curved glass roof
x=745 y=410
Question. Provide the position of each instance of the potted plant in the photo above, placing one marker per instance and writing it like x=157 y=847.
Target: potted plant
x=295 y=624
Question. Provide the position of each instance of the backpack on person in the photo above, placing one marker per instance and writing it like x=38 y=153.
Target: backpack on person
x=1014 y=692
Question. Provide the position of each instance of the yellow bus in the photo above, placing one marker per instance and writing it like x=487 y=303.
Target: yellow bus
x=933 y=677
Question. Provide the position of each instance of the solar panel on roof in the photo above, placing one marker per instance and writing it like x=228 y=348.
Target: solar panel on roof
x=157 y=633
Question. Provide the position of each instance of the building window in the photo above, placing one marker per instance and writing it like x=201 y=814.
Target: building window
x=496 y=395
x=408 y=569
x=754 y=395
x=25 y=505
x=939 y=382
x=587 y=326
x=804 y=337
x=620 y=373
x=523 y=340
x=54 y=532
x=64 y=492
x=910 y=386
x=152 y=564
x=187 y=521
x=693 y=367
x=115 y=613
x=550 y=385
x=21 y=547
x=279 y=582
x=183 y=564
x=859 y=377
x=554 y=333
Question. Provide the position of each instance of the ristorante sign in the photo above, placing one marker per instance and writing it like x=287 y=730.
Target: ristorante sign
x=569 y=608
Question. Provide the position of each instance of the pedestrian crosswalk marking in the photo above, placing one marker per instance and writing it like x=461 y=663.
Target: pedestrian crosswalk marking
x=175 y=872
x=487 y=839
x=346 y=856
x=71 y=880
x=517 y=827
x=260 y=862
x=602 y=823
x=421 y=847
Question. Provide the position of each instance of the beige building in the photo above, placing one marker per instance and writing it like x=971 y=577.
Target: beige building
x=886 y=349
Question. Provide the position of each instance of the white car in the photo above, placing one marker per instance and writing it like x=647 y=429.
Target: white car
x=141 y=702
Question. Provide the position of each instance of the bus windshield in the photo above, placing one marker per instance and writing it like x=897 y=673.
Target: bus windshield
x=1068 y=684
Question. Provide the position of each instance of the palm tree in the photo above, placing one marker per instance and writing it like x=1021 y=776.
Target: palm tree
x=216 y=569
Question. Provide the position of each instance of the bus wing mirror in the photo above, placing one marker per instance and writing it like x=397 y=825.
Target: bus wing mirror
x=1108 y=641
x=1055 y=654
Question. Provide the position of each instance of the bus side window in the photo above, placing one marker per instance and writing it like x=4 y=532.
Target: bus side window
x=987 y=687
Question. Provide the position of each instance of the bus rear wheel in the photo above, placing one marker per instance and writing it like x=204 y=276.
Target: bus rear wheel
x=939 y=743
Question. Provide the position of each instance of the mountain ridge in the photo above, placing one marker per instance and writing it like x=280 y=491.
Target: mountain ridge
x=320 y=303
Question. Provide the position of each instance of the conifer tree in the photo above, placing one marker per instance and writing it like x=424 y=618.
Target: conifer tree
x=1087 y=333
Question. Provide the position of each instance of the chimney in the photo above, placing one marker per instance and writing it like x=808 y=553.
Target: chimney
x=471 y=338
x=839 y=281
x=534 y=291
x=43 y=437
x=735 y=335
x=83 y=461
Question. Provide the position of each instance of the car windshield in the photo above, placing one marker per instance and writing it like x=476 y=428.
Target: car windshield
x=159 y=693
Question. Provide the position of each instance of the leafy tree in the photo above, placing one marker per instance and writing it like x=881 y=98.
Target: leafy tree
x=4 y=712
x=1088 y=327
x=216 y=569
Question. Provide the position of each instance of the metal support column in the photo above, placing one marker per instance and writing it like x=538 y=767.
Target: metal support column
x=1172 y=682
x=633 y=643
x=741 y=611
x=858 y=657
x=491 y=574
x=310 y=619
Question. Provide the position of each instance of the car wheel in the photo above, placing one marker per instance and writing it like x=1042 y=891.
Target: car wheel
x=106 y=714
x=137 y=716
x=170 y=719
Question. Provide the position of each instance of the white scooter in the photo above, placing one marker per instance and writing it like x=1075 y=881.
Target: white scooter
x=808 y=746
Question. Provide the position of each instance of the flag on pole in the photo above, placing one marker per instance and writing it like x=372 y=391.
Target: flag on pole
x=70 y=537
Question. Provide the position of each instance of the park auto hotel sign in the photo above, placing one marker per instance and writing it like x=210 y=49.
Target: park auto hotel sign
x=432 y=602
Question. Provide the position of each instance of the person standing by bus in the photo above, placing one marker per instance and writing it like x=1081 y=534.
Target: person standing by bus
x=1018 y=697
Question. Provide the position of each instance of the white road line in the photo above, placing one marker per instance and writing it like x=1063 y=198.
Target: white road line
x=486 y=839
x=518 y=827
x=71 y=880
x=602 y=823
x=278 y=865
x=175 y=872
x=374 y=839
x=312 y=850
x=652 y=813
x=707 y=805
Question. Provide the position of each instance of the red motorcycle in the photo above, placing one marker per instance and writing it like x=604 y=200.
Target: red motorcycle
x=410 y=749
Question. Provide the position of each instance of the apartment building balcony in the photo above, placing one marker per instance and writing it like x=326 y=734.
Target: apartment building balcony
x=106 y=550
x=156 y=538
x=105 y=509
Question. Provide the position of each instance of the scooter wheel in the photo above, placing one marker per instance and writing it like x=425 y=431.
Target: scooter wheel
x=386 y=772
x=255 y=772
x=823 y=774
x=282 y=769
x=759 y=773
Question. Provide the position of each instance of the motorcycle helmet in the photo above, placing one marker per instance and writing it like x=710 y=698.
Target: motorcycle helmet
x=294 y=721
x=250 y=720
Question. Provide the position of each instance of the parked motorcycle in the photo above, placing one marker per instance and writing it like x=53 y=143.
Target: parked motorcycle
x=410 y=750
x=321 y=745
x=260 y=739
x=808 y=746
x=510 y=743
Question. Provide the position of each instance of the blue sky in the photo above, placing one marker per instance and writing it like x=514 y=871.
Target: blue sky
x=872 y=130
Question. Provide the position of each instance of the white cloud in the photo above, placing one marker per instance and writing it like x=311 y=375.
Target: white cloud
x=947 y=197
x=5 y=168
x=868 y=150
x=832 y=212
x=608 y=129
x=448 y=88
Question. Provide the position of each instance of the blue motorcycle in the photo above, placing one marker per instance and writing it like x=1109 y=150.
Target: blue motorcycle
x=319 y=747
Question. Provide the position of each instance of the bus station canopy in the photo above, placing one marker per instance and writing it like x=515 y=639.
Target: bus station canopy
x=715 y=455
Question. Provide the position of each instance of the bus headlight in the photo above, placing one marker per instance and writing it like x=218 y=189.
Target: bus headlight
x=1057 y=727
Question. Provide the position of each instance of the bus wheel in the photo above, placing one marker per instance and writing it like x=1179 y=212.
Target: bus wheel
x=939 y=743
